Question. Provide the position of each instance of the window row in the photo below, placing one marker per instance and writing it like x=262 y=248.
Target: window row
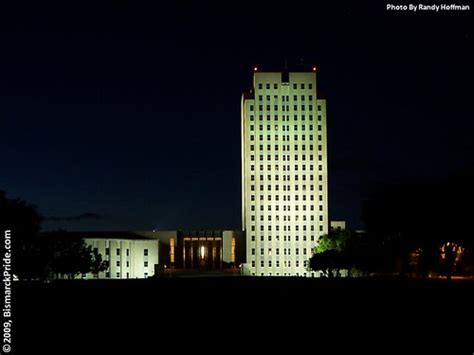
x=127 y=264
x=285 y=128
x=295 y=86
x=286 y=251
x=284 y=118
x=287 y=198
x=285 y=229
x=285 y=167
x=287 y=177
x=286 y=137
x=276 y=187
x=285 y=98
x=285 y=238
x=117 y=251
x=284 y=219
x=277 y=209
x=284 y=107
x=285 y=263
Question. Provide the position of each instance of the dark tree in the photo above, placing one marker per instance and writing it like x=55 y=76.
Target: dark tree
x=98 y=265
x=71 y=256
x=328 y=261
x=29 y=258
x=426 y=216
x=332 y=253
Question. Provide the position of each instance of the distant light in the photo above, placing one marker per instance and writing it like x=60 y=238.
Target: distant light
x=255 y=68
x=314 y=68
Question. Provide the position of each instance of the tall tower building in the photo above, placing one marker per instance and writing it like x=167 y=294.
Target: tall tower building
x=284 y=172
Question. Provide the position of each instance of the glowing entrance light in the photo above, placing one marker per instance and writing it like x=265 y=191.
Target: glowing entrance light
x=202 y=252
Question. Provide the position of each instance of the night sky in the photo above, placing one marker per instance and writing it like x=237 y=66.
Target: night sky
x=125 y=116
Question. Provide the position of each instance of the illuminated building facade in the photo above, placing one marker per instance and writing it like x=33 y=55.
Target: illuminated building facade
x=129 y=255
x=199 y=250
x=284 y=172
x=143 y=254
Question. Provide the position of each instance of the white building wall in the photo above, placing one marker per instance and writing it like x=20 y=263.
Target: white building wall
x=126 y=258
x=284 y=173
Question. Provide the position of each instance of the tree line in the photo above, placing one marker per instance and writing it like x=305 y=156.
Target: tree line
x=51 y=255
x=411 y=229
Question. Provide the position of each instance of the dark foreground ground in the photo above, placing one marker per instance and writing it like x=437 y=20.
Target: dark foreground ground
x=236 y=314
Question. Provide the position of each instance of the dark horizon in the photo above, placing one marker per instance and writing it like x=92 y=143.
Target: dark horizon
x=127 y=117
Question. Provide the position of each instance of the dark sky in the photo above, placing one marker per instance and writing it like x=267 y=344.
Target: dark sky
x=131 y=111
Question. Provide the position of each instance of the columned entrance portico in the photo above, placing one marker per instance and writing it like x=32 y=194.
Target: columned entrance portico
x=203 y=253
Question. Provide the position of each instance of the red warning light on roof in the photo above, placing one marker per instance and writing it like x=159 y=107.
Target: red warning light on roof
x=314 y=67
x=255 y=68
